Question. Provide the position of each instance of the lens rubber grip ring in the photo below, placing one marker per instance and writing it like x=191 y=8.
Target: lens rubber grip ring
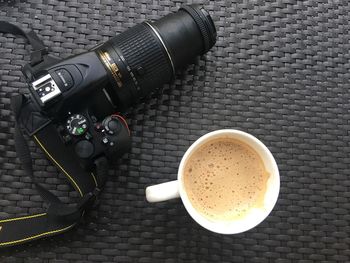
x=203 y=28
x=145 y=59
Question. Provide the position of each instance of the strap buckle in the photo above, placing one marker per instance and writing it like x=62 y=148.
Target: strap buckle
x=62 y=212
x=89 y=200
x=37 y=56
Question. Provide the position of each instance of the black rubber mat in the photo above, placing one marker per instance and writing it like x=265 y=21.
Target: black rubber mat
x=280 y=70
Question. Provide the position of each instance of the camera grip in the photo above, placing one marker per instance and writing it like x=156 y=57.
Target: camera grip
x=64 y=159
x=163 y=192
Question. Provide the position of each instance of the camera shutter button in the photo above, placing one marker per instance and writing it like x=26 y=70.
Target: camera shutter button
x=114 y=125
x=84 y=149
x=111 y=125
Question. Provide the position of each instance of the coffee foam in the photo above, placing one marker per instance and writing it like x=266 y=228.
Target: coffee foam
x=224 y=179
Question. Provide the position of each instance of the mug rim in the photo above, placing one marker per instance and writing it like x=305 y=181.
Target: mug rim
x=226 y=227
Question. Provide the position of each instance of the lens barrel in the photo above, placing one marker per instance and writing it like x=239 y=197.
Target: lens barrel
x=136 y=62
x=146 y=56
x=187 y=33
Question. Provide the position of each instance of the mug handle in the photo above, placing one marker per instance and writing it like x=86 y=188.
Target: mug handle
x=162 y=192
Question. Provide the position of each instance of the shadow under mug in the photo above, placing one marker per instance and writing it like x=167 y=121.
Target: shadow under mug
x=254 y=216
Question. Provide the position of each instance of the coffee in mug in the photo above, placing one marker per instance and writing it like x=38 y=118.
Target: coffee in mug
x=225 y=178
x=228 y=181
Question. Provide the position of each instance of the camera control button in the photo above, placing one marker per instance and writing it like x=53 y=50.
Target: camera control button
x=105 y=140
x=98 y=127
x=114 y=125
x=93 y=118
x=88 y=136
x=77 y=125
x=84 y=149
x=67 y=138
x=110 y=132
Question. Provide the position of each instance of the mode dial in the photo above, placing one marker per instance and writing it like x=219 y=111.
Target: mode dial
x=77 y=124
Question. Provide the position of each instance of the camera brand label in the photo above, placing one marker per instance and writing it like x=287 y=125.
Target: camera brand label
x=113 y=68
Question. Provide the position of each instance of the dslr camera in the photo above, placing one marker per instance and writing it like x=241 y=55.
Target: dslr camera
x=80 y=94
x=71 y=112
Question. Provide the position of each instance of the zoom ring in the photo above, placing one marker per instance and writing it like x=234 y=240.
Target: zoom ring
x=144 y=54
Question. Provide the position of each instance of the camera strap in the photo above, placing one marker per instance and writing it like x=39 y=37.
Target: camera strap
x=59 y=217
x=39 y=49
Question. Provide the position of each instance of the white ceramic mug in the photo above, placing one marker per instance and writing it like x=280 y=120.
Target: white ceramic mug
x=174 y=189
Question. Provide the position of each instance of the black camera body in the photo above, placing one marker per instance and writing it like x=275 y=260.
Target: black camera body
x=90 y=138
x=72 y=112
x=81 y=94
x=82 y=114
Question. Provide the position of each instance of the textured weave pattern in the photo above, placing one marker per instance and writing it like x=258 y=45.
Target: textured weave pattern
x=280 y=70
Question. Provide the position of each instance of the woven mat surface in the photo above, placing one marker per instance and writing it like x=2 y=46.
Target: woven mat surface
x=280 y=70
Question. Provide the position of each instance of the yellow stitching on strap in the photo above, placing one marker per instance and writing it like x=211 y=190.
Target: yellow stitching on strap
x=37 y=236
x=93 y=177
x=64 y=171
x=21 y=218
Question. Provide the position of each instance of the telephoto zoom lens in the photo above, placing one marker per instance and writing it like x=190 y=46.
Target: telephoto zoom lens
x=146 y=56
